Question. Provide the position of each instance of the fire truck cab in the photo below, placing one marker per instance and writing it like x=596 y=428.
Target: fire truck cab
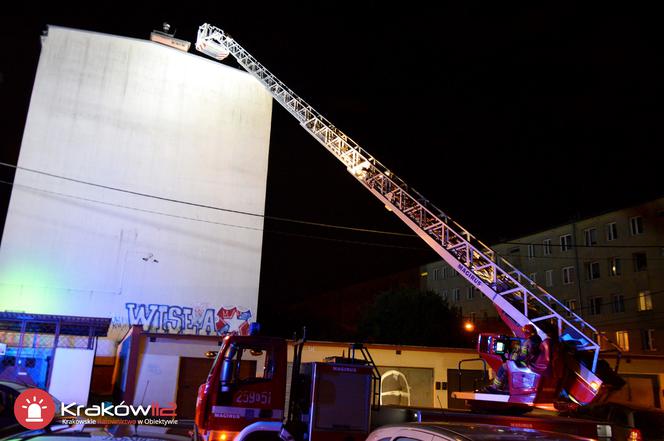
x=246 y=385
x=244 y=395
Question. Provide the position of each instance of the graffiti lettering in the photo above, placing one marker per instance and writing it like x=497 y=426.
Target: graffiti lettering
x=184 y=320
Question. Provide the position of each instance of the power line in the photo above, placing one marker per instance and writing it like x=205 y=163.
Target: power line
x=211 y=207
x=285 y=219
x=355 y=242
x=537 y=244
x=582 y=259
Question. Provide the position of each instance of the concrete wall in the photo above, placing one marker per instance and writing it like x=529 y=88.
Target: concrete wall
x=134 y=115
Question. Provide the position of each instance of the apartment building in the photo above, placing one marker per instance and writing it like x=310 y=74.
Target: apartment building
x=608 y=268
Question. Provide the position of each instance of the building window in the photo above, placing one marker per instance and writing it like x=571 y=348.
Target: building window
x=591 y=236
x=444 y=295
x=436 y=274
x=618 y=303
x=640 y=261
x=611 y=231
x=648 y=339
x=568 y=275
x=546 y=247
x=595 y=305
x=549 y=277
x=531 y=251
x=636 y=225
x=622 y=340
x=592 y=270
x=571 y=305
x=472 y=317
x=565 y=242
x=601 y=339
x=456 y=296
x=615 y=267
x=533 y=277
x=645 y=301
x=470 y=293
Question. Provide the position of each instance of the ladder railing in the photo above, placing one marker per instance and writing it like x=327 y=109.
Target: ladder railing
x=510 y=290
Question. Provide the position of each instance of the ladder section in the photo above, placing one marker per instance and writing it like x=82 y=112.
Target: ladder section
x=510 y=290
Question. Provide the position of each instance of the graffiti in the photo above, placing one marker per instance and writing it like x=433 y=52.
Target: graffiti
x=185 y=320
x=233 y=321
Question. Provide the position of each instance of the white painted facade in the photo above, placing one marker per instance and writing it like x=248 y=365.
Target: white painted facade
x=70 y=378
x=133 y=115
x=159 y=367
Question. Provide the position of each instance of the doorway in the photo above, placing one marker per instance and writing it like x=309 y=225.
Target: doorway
x=193 y=372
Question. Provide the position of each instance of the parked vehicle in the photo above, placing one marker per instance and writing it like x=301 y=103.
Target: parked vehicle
x=463 y=432
x=649 y=421
x=118 y=432
x=9 y=391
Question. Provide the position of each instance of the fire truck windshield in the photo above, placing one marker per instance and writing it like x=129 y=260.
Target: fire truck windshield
x=245 y=364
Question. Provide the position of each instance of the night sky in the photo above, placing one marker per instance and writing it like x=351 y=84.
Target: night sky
x=509 y=121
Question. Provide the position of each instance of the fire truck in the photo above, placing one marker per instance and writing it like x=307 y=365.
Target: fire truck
x=331 y=400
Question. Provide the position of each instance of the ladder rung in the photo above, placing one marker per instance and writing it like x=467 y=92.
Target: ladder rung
x=510 y=291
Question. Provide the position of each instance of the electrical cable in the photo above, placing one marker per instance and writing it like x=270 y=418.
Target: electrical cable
x=216 y=223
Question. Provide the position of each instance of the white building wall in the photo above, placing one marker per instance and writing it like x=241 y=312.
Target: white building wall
x=71 y=375
x=134 y=115
x=159 y=367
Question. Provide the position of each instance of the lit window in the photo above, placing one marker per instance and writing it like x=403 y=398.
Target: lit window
x=636 y=225
x=568 y=275
x=640 y=261
x=601 y=340
x=546 y=247
x=618 y=303
x=611 y=231
x=549 y=277
x=591 y=236
x=622 y=340
x=565 y=242
x=571 y=305
x=592 y=270
x=615 y=267
x=645 y=301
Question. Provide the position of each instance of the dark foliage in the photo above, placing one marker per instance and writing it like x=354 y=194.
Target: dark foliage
x=411 y=317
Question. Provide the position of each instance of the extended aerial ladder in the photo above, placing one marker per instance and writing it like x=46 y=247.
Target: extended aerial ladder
x=518 y=299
